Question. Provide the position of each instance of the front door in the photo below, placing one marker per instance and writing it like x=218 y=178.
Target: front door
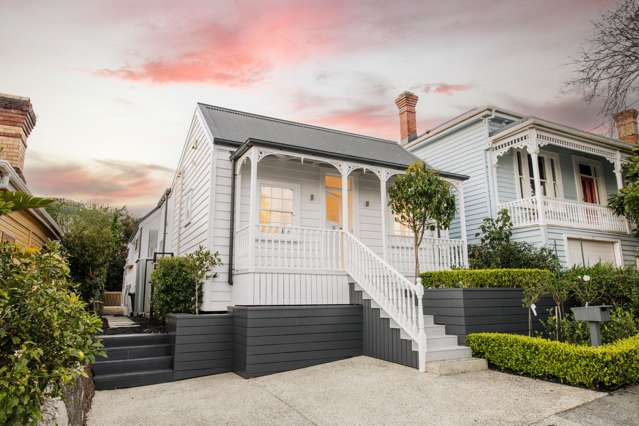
x=333 y=201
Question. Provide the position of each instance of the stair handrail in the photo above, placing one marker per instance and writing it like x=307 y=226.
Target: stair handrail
x=389 y=288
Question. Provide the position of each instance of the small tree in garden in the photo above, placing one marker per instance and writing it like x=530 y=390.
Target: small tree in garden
x=559 y=289
x=177 y=281
x=625 y=202
x=419 y=197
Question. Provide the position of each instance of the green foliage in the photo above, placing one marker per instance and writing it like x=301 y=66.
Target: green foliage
x=604 y=284
x=481 y=278
x=497 y=250
x=11 y=201
x=622 y=324
x=95 y=239
x=46 y=335
x=419 y=197
x=626 y=201
x=607 y=366
x=177 y=281
x=564 y=329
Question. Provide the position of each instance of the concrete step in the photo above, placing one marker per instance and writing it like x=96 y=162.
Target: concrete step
x=132 y=352
x=456 y=366
x=435 y=330
x=434 y=343
x=445 y=354
x=127 y=380
x=120 y=366
x=138 y=339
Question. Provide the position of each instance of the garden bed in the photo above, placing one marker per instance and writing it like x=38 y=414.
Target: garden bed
x=605 y=367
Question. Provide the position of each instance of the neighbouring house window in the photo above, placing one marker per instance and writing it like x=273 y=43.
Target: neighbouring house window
x=549 y=175
x=589 y=184
x=276 y=207
x=333 y=186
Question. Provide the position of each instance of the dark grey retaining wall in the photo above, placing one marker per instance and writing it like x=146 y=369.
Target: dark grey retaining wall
x=471 y=310
x=202 y=344
x=379 y=340
x=271 y=339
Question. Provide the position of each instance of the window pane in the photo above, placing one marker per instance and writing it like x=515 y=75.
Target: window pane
x=542 y=167
x=276 y=218
x=287 y=218
x=287 y=205
x=333 y=206
x=265 y=217
x=530 y=166
x=287 y=194
x=276 y=204
x=585 y=170
x=276 y=192
x=265 y=203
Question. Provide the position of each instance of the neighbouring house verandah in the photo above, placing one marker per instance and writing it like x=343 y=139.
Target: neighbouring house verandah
x=559 y=179
x=291 y=211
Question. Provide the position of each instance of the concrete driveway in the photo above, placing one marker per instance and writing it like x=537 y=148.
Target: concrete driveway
x=360 y=390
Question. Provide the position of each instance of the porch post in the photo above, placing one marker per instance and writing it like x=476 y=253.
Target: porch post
x=345 y=198
x=618 y=171
x=383 y=196
x=462 y=221
x=252 y=209
x=533 y=150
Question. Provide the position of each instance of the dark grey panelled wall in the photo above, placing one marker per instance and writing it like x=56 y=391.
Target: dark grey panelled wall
x=271 y=339
x=381 y=341
x=202 y=344
x=472 y=310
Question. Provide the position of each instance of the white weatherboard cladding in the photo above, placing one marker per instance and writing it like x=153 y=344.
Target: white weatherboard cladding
x=463 y=152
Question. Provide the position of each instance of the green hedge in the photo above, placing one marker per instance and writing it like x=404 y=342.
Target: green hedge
x=604 y=367
x=480 y=278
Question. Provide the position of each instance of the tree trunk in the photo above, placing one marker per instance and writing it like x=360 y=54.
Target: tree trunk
x=417 y=268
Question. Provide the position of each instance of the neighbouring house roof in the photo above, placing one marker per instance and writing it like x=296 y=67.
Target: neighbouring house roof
x=528 y=122
x=10 y=180
x=520 y=121
x=239 y=127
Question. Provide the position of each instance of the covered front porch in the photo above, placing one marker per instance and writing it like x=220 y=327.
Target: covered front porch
x=297 y=217
x=549 y=177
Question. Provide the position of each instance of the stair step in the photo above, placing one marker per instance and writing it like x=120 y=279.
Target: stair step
x=127 y=380
x=132 y=352
x=434 y=343
x=435 y=330
x=429 y=320
x=132 y=365
x=444 y=354
x=138 y=339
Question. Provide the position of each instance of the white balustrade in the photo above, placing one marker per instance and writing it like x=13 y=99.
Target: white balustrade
x=561 y=212
x=297 y=248
x=435 y=254
x=389 y=288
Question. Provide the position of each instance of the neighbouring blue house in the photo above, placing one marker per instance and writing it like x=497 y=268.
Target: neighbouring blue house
x=554 y=180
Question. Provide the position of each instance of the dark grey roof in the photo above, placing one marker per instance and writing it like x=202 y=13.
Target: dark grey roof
x=238 y=126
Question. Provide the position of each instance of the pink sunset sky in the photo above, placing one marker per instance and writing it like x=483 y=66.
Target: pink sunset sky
x=114 y=83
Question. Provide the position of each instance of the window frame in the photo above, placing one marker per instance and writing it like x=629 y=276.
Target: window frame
x=548 y=159
x=295 y=188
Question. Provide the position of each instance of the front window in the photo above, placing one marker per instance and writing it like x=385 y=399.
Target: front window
x=589 y=184
x=549 y=175
x=276 y=207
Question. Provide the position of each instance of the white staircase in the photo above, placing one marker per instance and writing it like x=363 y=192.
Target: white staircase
x=400 y=301
x=439 y=345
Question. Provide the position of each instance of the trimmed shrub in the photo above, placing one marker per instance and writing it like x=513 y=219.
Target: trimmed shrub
x=47 y=338
x=604 y=367
x=177 y=282
x=483 y=278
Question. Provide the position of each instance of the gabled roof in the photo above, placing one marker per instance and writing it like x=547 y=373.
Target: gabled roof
x=239 y=127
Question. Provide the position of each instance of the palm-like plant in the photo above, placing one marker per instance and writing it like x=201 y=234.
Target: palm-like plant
x=11 y=201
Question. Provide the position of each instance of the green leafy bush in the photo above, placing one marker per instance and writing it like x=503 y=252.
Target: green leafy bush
x=46 y=335
x=177 y=282
x=606 y=284
x=607 y=366
x=497 y=250
x=482 y=278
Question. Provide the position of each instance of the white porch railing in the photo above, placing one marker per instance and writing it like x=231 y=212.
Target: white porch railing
x=560 y=212
x=435 y=254
x=389 y=288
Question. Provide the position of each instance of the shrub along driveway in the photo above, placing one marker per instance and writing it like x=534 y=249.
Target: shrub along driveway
x=360 y=390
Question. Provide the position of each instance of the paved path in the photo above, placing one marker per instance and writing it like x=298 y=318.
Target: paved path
x=120 y=321
x=360 y=390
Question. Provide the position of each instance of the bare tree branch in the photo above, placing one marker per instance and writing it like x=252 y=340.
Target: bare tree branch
x=609 y=67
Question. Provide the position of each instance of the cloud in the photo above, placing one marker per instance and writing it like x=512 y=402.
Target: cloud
x=442 y=88
x=236 y=49
x=111 y=182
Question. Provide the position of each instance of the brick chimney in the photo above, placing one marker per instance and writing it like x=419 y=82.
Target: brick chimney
x=16 y=122
x=626 y=122
x=406 y=102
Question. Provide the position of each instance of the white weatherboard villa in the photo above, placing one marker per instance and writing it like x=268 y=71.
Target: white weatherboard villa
x=297 y=212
